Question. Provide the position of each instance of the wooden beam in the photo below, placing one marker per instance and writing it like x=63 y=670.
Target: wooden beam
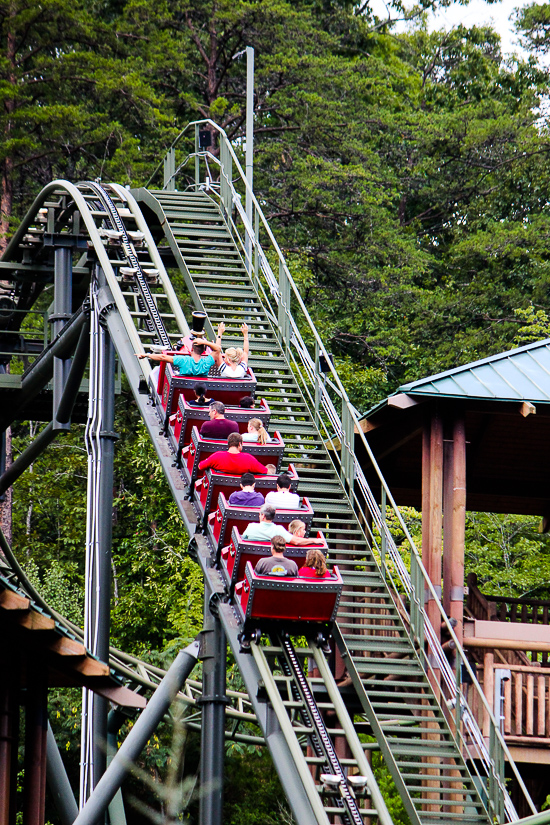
x=122 y=696
x=36 y=726
x=91 y=667
x=434 y=502
x=526 y=408
x=366 y=425
x=402 y=401
x=13 y=601
x=35 y=621
x=506 y=644
x=454 y=508
x=9 y=716
x=426 y=466
x=67 y=647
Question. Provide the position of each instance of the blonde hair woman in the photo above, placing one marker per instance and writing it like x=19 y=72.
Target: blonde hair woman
x=315 y=566
x=235 y=359
x=256 y=432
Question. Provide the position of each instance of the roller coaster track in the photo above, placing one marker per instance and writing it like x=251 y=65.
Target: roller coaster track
x=437 y=759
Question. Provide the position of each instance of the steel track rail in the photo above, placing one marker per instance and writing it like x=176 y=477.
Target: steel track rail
x=154 y=321
x=348 y=803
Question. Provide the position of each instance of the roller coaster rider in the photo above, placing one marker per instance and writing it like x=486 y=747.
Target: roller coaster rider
x=196 y=365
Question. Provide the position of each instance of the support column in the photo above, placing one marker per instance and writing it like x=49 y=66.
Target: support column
x=115 y=720
x=454 y=524
x=36 y=728
x=129 y=751
x=100 y=439
x=432 y=508
x=58 y=782
x=107 y=438
x=213 y=701
x=9 y=717
x=62 y=305
x=432 y=511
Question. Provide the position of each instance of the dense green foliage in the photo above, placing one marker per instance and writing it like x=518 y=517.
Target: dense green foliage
x=405 y=178
x=150 y=570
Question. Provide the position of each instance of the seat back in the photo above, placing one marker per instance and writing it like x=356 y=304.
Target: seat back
x=213 y=483
x=228 y=390
x=186 y=417
x=269 y=598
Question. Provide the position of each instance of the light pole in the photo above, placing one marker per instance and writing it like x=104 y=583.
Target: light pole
x=249 y=157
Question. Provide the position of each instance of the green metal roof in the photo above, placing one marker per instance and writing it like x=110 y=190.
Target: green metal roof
x=521 y=374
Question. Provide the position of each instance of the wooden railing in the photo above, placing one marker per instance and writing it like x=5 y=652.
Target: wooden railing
x=526 y=708
x=509 y=609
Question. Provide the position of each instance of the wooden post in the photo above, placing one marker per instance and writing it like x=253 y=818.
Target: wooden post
x=432 y=503
x=36 y=728
x=8 y=740
x=432 y=506
x=454 y=524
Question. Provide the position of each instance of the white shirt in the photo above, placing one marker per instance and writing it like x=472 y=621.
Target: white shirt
x=233 y=372
x=253 y=436
x=283 y=501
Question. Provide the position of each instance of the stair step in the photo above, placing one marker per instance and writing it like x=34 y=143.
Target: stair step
x=411 y=746
x=408 y=717
x=442 y=768
x=388 y=666
x=182 y=230
x=446 y=792
x=209 y=276
x=443 y=816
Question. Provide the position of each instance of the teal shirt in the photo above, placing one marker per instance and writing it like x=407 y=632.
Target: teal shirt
x=186 y=365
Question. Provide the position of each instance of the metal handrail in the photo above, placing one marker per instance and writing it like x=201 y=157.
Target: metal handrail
x=417 y=581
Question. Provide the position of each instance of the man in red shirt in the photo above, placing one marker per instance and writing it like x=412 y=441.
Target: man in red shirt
x=234 y=461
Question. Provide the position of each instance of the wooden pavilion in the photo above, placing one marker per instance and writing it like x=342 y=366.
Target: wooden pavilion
x=478 y=438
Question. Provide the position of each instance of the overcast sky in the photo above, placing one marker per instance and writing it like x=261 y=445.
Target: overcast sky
x=477 y=12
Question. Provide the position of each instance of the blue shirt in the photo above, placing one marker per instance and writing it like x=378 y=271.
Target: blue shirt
x=186 y=365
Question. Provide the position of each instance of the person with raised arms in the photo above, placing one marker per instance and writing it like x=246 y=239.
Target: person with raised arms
x=196 y=365
x=235 y=359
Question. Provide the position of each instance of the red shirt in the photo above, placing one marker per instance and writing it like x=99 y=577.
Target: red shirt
x=311 y=573
x=233 y=463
